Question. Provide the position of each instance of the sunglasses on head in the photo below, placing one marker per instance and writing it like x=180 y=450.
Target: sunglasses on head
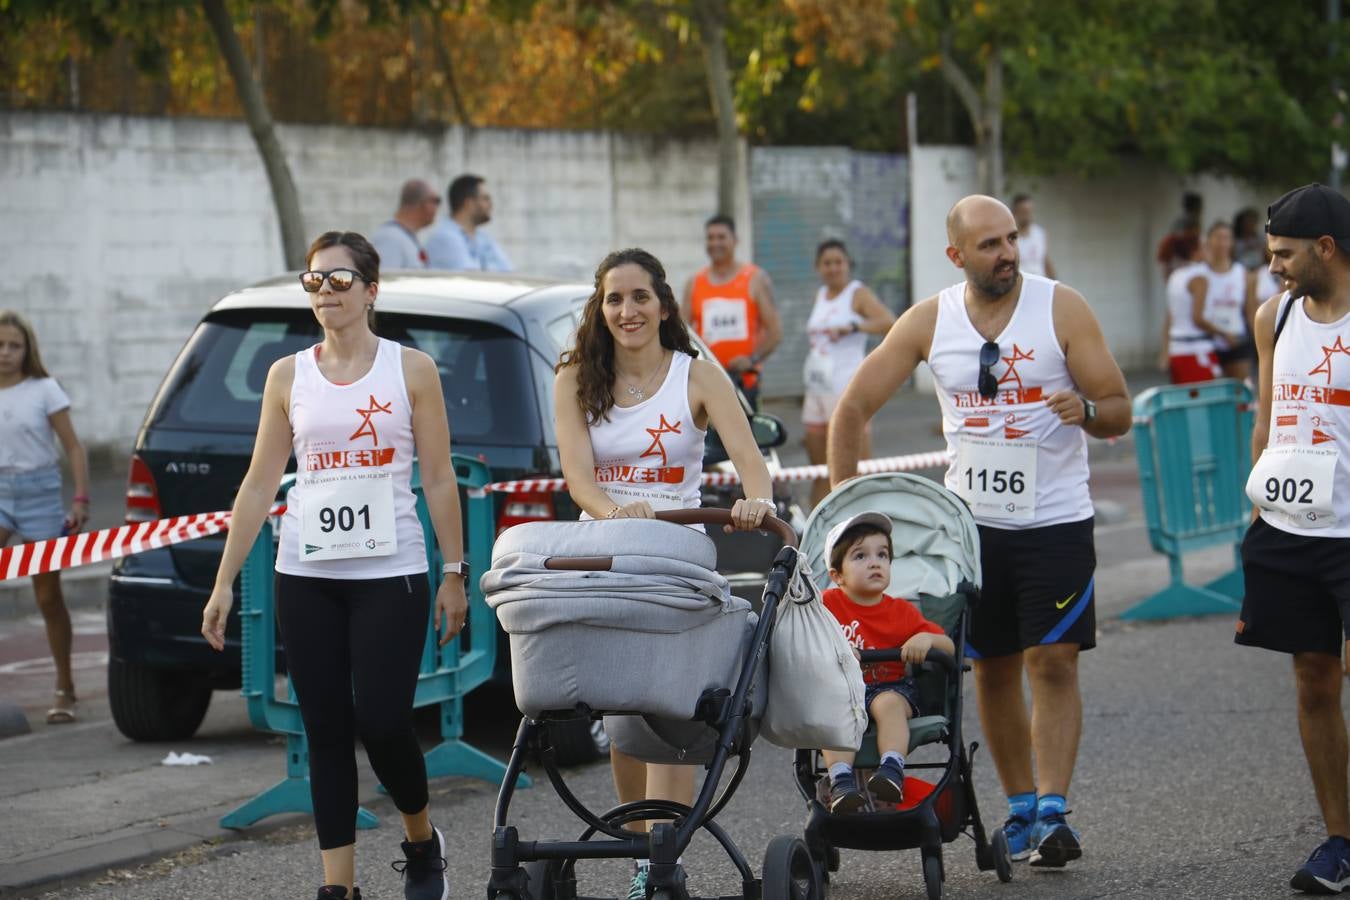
x=987 y=383
x=338 y=279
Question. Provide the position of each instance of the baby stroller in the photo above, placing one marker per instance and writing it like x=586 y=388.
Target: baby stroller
x=937 y=565
x=628 y=619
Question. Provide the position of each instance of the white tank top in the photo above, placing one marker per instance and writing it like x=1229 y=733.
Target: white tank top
x=1015 y=463
x=652 y=451
x=1309 y=422
x=1226 y=299
x=831 y=363
x=1267 y=285
x=1185 y=337
x=353 y=449
x=1031 y=250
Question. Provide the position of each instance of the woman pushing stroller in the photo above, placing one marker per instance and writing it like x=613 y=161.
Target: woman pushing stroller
x=633 y=404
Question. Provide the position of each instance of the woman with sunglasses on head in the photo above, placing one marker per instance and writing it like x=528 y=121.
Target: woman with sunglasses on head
x=845 y=313
x=632 y=406
x=352 y=590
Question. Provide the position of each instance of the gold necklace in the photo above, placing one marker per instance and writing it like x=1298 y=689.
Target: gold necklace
x=640 y=393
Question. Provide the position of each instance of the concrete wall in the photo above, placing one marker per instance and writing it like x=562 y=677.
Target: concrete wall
x=1102 y=235
x=120 y=232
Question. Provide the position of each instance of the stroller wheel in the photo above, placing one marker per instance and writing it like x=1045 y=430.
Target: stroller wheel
x=1002 y=854
x=932 y=876
x=789 y=871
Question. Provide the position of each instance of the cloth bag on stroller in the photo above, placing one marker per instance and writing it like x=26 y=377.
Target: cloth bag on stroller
x=816 y=692
x=647 y=635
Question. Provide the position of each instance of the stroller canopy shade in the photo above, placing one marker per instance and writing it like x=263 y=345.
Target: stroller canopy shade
x=937 y=545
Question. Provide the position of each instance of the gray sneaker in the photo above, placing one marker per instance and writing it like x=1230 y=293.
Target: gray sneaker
x=637 y=890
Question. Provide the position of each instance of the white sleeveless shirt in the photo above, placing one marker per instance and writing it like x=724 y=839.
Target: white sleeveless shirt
x=1226 y=300
x=1031 y=250
x=351 y=513
x=652 y=451
x=831 y=363
x=1014 y=462
x=1184 y=338
x=1302 y=480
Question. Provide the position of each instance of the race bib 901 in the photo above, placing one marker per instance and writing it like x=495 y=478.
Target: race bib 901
x=346 y=514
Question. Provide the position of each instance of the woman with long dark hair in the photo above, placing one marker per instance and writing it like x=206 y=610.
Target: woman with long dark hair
x=633 y=404
x=352 y=591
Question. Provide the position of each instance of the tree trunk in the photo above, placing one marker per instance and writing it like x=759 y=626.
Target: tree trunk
x=712 y=19
x=986 y=115
x=250 y=95
x=447 y=64
x=993 y=123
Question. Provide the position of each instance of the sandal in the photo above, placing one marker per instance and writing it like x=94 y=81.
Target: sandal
x=62 y=715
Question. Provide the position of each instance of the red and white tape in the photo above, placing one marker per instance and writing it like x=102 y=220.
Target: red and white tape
x=110 y=543
x=911 y=463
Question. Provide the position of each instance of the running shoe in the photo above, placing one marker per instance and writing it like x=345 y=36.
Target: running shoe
x=1018 y=830
x=638 y=889
x=424 y=869
x=1327 y=871
x=844 y=795
x=1053 y=842
x=888 y=782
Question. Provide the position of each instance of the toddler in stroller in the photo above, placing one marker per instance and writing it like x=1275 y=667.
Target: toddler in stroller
x=859 y=550
x=936 y=560
x=628 y=619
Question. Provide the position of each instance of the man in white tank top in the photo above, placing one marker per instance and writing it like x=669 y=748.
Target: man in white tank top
x=1022 y=373
x=1032 y=246
x=1296 y=555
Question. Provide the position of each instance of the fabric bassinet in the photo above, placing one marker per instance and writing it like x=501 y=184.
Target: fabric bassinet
x=646 y=635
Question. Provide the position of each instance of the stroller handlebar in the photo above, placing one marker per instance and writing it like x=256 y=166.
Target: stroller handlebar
x=941 y=657
x=713 y=516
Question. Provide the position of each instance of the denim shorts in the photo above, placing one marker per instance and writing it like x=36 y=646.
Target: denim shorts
x=30 y=503
x=905 y=687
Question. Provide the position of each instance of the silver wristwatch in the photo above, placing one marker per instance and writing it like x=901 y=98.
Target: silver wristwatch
x=460 y=568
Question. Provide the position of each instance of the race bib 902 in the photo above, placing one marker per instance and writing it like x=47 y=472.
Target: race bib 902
x=1296 y=483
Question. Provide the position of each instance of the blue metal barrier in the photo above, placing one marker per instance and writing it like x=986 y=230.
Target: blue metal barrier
x=447 y=673
x=1194 y=449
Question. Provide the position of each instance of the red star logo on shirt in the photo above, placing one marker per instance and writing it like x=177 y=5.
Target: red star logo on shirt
x=367 y=425
x=1324 y=367
x=657 y=448
x=1012 y=361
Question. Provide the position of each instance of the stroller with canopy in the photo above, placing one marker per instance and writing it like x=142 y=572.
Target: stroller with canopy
x=937 y=566
x=628 y=619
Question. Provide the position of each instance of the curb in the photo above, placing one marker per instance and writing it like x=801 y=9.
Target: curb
x=80 y=863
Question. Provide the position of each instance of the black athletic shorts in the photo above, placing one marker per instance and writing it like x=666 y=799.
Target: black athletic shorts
x=1239 y=353
x=1297 y=597
x=1038 y=589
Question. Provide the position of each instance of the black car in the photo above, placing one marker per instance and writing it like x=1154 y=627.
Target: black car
x=495 y=340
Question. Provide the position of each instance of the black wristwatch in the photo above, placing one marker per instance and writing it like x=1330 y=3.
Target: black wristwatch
x=1089 y=409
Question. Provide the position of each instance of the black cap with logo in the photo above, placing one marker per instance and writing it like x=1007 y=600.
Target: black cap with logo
x=1311 y=212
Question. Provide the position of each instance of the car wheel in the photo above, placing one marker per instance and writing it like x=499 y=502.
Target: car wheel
x=151 y=704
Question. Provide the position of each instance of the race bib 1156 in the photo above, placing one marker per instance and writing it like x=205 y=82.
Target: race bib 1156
x=997 y=477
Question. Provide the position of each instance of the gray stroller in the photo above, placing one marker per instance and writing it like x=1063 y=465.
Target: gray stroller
x=592 y=610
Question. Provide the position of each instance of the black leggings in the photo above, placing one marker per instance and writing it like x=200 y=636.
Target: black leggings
x=353 y=648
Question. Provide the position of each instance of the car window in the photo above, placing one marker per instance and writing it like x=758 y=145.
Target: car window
x=217 y=383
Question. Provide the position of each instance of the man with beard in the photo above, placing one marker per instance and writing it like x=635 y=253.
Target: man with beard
x=460 y=242
x=1022 y=374
x=1296 y=555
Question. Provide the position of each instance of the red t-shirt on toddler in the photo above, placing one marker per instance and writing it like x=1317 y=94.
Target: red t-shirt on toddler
x=884 y=626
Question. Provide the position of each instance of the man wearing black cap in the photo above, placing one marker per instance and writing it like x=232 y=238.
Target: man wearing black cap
x=1296 y=555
